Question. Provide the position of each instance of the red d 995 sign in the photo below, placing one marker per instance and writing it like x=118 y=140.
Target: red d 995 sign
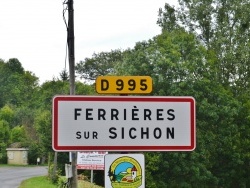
x=124 y=84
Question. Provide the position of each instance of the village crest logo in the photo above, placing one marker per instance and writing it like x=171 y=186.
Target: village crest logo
x=125 y=172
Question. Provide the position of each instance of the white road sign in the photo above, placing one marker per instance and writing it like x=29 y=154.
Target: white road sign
x=123 y=123
x=91 y=160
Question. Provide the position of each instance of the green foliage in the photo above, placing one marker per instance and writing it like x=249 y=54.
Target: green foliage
x=222 y=92
x=4 y=132
x=18 y=134
x=43 y=126
x=7 y=114
x=14 y=66
x=62 y=159
x=4 y=140
x=17 y=85
x=34 y=152
x=99 y=65
x=222 y=27
x=168 y=58
x=61 y=181
x=64 y=75
x=167 y=18
x=99 y=177
x=3 y=153
x=84 y=89
x=53 y=178
x=48 y=90
x=25 y=116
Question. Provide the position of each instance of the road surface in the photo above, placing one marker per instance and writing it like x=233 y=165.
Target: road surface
x=11 y=177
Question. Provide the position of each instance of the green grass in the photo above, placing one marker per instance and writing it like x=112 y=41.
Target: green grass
x=14 y=165
x=7 y=165
x=37 y=182
x=43 y=182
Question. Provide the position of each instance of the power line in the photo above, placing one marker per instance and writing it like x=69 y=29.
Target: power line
x=65 y=9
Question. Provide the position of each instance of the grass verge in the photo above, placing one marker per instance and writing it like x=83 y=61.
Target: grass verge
x=38 y=182
x=14 y=165
x=43 y=182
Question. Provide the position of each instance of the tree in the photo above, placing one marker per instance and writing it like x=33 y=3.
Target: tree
x=223 y=27
x=99 y=65
x=4 y=140
x=169 y=58
x=64 y=75
x=43 y=126
x=15 y=82
x=15 y=66
x=48 y=90
x=25 y=116
x=7 y=114
x=84 y=89
x=18 y=135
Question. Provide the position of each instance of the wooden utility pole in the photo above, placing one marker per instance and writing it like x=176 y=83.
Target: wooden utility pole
x=71 y=47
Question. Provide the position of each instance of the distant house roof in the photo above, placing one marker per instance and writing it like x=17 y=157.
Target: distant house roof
x=16 y=145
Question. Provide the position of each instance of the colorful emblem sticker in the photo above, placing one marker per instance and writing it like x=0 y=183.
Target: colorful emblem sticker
x=125 y=172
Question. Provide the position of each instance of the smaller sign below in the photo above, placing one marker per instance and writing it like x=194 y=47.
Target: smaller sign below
x=91 y=160
x=124 y=170
x=123 y=84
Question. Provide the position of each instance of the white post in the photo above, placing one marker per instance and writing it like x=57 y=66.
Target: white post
x=91 y=178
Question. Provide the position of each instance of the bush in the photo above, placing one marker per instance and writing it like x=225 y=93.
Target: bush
x=3 y=154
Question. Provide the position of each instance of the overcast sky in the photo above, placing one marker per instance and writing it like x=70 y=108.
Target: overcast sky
x=34 y=31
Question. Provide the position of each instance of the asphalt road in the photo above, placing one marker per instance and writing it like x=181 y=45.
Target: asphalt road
x=11 y=177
